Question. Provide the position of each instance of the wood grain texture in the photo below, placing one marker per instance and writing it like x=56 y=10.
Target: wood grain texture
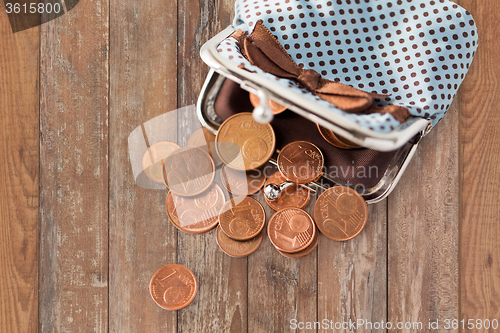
x=19 y=176
x=74 y=171
x=221 y=303
x=143 y=86
x=480 y=171
x=352 y=275
x=423 y=231
x=280 y=289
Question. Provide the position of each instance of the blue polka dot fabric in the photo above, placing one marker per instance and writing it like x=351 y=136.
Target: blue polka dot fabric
x=417 y=51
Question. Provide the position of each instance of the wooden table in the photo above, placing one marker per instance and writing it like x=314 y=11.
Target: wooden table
x=79 y=241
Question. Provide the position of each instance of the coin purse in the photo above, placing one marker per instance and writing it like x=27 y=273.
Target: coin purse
x=416 y=53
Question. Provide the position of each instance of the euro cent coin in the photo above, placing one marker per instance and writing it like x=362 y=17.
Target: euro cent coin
x=292 y=196
x=301 y=162
x=189 y=171
x=173 y=287
x=240 y=182
x=242 y=218
x=198 y=214
x=291 y=230
x=274 y=106
x=341 y=213
x=244 y=144
x=238 y=249
x=151 y=160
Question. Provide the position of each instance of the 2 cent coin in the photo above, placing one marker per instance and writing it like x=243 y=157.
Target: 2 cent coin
x=341 y=213
x=173 y=287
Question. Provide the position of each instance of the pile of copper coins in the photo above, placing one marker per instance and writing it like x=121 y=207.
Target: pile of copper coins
x=211 y=182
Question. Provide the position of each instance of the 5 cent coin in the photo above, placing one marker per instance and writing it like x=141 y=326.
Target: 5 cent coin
x=173 y=287
x=244 y=144
x=340 y=213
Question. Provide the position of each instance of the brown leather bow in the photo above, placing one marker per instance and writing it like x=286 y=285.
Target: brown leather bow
x=263 y=50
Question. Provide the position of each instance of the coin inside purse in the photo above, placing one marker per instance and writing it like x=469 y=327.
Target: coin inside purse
x=372 y=173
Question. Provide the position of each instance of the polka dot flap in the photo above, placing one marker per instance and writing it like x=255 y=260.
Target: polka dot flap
x=416 y=51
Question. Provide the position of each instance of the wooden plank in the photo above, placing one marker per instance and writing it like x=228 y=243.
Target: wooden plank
x=480 y=172
x=74 y=170
x=221 y=304
x=280 y=290
x=423 y=232
x=352 y=276
x=19 y=176
x=143 y=64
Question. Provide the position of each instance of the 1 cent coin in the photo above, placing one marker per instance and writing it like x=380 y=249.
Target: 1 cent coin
x=275 y=107
x=291 y=230
x=244 y=144
x=238 y=249
x=173 y=287
x=205 y=139
x=305 y=252
x=189 y=171
x=197 y=214
x=242 y=221
x=301 y=162
x=340 y=213
x=242 y=182
x=336 y=140
x=292 y=196
x=151 y=160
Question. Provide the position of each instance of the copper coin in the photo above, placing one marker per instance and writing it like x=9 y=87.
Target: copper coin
x=301 y=162
x=244 y=144
x=292 y=196
x=340 y=213
x=238 y=249
x=244 y=220
x=197 y=214
x=151 y=160
x=189 y=171
x=173 y=287
x=308 y=250
x=242 y=182
x=336 y=140
x=205 y=139
x=291 y=230
x=275 y=107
